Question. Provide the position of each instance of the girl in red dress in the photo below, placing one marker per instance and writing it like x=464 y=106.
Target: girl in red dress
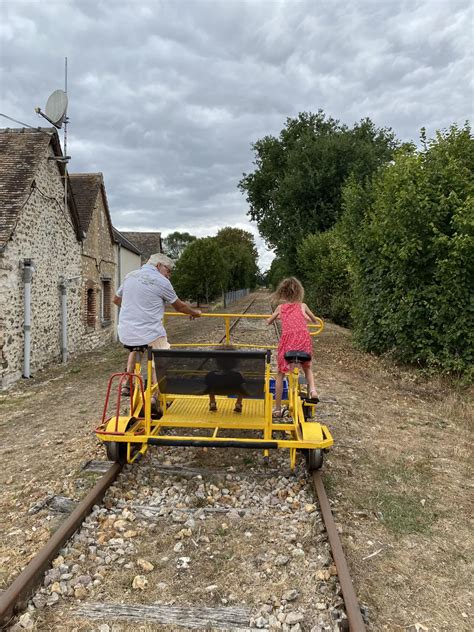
x=294 y=316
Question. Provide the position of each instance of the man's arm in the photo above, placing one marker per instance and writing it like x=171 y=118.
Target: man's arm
x=117 y=300
x=184 y=308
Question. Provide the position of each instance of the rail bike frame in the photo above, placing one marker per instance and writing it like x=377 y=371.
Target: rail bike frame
x=127 y=436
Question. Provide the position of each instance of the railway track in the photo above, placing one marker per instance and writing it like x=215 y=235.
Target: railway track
x=228 y=529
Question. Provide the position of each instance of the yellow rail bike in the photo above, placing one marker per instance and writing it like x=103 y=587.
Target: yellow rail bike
x=206 y=394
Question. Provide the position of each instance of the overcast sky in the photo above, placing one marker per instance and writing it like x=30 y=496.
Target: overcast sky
x=166 y=97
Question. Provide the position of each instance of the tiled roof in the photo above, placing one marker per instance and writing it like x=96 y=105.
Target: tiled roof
x=85 y=188
x=123 y=241
x=148 y=243
x=21 y=151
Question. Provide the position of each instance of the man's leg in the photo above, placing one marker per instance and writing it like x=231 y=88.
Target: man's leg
x=131 y=362
x=130 y=369
x=159 y=343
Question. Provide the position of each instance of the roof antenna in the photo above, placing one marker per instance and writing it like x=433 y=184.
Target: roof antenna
x=56 y=114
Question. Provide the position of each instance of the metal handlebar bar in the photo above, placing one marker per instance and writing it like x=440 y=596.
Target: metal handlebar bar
x=319 y=326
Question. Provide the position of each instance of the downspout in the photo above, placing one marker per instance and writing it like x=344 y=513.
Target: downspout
x=119 y=270
x=28 y=271
x=64 y=353
x=63 y=284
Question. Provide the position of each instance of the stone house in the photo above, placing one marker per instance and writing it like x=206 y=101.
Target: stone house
x=40 y=255
x=98 y=259
x=148 y=243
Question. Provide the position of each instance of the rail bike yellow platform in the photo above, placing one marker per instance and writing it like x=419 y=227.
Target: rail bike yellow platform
x=173 y=407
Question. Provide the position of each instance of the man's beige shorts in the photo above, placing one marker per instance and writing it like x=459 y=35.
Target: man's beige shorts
x=161 y=343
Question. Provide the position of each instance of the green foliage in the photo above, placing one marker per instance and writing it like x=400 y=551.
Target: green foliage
x=240 y=255
x=201 y=271
x=295 y=189
x=411 y=240
x=175 y=243
x=279 y=270
x=323 y=262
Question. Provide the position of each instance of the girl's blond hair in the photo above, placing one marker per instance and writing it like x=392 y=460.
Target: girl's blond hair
x=289 y=290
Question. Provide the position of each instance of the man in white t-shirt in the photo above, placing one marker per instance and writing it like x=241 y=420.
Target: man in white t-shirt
x=142 y=298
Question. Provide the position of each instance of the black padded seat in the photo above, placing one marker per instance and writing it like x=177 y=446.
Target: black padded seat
x=295 y=357
x=139 y=348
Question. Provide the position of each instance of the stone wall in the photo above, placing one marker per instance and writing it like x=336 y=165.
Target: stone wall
x=99 y=280
x=45 y=234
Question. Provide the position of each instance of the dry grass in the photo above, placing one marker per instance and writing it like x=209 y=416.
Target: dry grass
x=400 y=475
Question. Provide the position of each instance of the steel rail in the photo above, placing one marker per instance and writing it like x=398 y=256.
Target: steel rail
x=238 y=319
x=15 y=597
x=354 y=616
x=17 y=594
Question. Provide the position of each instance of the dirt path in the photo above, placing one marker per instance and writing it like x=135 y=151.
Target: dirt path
x=398 y=475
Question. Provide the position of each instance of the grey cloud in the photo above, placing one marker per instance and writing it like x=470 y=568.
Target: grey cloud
x=166 y=97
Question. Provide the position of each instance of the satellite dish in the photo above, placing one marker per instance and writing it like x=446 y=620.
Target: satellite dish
x=56 y=107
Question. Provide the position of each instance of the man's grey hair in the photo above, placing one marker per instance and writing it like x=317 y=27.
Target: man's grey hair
x=159 y=257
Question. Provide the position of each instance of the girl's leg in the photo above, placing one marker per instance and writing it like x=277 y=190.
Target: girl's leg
x=238 y=405
x=310 y=379
x=212 y=403
x=278 y=391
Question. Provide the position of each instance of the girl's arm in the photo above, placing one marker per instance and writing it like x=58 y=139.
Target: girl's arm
x=274 y=316
x=310 y=314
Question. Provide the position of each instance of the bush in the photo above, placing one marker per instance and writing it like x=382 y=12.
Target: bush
x=323 y=264
x=411 y=242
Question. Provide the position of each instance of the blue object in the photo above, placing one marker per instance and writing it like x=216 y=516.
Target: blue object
x=285 y=388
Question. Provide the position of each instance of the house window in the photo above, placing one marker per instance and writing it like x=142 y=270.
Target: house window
x=90 y=314
x=106 y=301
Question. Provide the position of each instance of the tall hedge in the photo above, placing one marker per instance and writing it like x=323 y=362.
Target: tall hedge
x=411 y=237
x=323 y=264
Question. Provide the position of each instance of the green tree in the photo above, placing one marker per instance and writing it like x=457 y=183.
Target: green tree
x=201 y=271
x=175 y=243
x=411 y=239
x=279 y=269
x=295 y=189
x=240 y=253
x=323 y=262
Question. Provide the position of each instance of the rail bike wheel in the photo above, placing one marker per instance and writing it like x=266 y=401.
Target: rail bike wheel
x=314 y=459
x=117 y=450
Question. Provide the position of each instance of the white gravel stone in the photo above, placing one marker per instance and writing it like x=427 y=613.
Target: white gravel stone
x=26 y=621
x=294 y=617
x=52 y=599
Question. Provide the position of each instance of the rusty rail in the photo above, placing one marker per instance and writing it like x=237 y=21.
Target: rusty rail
x=14 y=598
x=354 y=616
x=17 y=594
